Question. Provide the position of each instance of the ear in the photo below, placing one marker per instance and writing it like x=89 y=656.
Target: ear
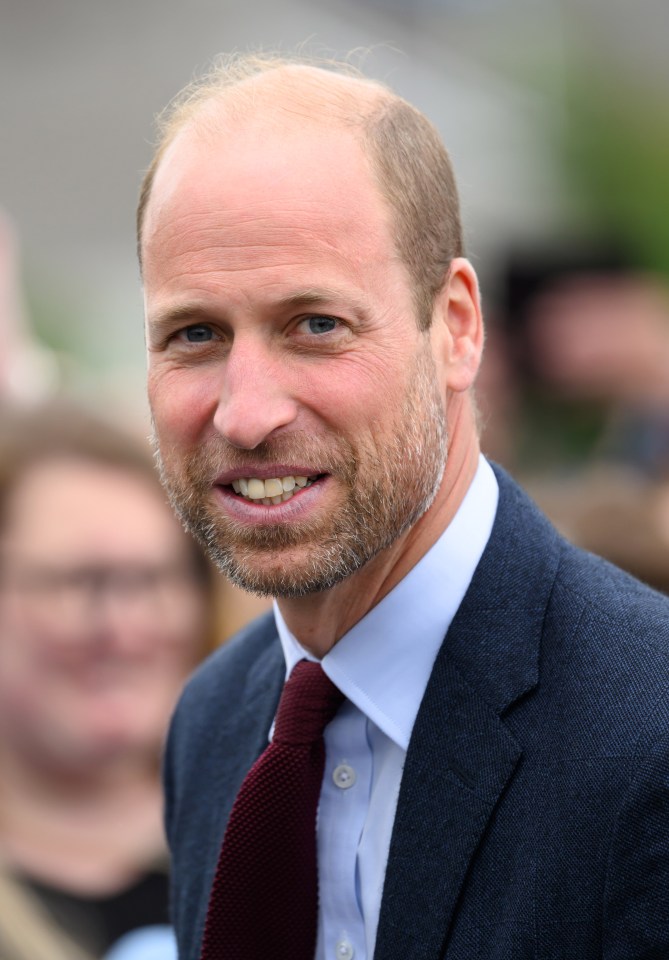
x=457 y=326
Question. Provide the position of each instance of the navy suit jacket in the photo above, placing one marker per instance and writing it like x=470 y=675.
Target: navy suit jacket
x=533 y=814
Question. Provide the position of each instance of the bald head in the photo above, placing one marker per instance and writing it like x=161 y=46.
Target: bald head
x=409 y=163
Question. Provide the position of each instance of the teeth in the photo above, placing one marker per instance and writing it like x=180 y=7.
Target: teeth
x=256 y=489
x=273 y=491
x=273 y=488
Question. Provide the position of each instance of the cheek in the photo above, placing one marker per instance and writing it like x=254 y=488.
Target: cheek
x=360 y=396
x=25 y=678
x=183 y=402
x=20 y=638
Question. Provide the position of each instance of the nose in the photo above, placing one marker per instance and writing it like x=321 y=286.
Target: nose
x=255 y=398
x=119 y=616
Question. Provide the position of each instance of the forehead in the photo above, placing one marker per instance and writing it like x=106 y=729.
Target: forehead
x=274 y=181
x=67 y=509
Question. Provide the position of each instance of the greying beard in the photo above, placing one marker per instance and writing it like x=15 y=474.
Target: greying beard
x=385 y=492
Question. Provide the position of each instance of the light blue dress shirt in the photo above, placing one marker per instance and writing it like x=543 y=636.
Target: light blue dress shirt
x=146 y=943
x=383 y=665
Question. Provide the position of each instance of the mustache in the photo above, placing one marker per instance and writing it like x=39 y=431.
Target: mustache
x=209 y=459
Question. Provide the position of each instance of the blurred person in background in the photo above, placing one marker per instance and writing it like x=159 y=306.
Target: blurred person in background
x=582 y=373
x=604 y=339
x=615 y=511
x=105 y=606
x=576 y=377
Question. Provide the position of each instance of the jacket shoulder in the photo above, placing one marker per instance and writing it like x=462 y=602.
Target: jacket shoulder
x=218 y=729
x=220 y=673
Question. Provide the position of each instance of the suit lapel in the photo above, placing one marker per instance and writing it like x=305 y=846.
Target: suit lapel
x=461 y=755
x=245 y=735
x=458 y=763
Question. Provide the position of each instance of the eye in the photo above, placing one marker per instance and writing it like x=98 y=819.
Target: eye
x=198 y=333
x=318 y=324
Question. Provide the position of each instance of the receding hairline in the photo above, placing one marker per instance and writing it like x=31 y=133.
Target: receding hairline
x=258 y=89
x=407 y=158
x=341 y=93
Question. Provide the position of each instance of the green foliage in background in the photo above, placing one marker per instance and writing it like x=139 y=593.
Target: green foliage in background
x=617 y=157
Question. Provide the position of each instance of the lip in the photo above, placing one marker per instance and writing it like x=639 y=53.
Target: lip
x=264 y=472
x=254 y=512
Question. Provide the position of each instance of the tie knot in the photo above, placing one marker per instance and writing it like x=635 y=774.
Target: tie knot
x=308 y=702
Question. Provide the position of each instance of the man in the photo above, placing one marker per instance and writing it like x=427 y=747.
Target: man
x=105 y=608
x=495 y=782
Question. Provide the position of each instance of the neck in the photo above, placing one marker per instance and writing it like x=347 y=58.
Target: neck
x=319 y=620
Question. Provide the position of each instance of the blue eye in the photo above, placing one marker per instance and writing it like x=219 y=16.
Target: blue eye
x=318 y=324
x=198 y=334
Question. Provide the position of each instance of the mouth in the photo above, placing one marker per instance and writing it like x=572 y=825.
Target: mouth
x=272 y=491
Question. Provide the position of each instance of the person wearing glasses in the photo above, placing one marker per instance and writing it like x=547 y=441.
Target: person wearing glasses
x=105 y=606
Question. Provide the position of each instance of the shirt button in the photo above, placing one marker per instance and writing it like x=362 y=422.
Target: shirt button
x=344 y=950
x=344 y=777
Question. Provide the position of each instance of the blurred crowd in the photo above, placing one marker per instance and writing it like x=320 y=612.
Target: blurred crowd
x=574 y=398
x=106 y=605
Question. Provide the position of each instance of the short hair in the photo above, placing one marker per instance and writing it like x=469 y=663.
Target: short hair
x=411 y=165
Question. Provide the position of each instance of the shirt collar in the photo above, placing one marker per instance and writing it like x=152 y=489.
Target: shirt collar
x=383 y=663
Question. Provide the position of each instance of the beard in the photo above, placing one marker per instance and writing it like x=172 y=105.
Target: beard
x=385 y=488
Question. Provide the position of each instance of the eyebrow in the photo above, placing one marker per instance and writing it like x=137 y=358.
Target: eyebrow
x=178 y=313
x=318 y=295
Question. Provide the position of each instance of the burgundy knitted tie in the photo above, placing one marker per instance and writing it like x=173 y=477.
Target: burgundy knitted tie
x=264 y=900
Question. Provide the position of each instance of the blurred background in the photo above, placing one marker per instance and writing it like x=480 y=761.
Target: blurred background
x=556 y=115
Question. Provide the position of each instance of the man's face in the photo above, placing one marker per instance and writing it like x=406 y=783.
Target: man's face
x=284 y=351
x=100 y=616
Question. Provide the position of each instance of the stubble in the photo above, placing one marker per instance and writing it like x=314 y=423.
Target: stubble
x=385 y=486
